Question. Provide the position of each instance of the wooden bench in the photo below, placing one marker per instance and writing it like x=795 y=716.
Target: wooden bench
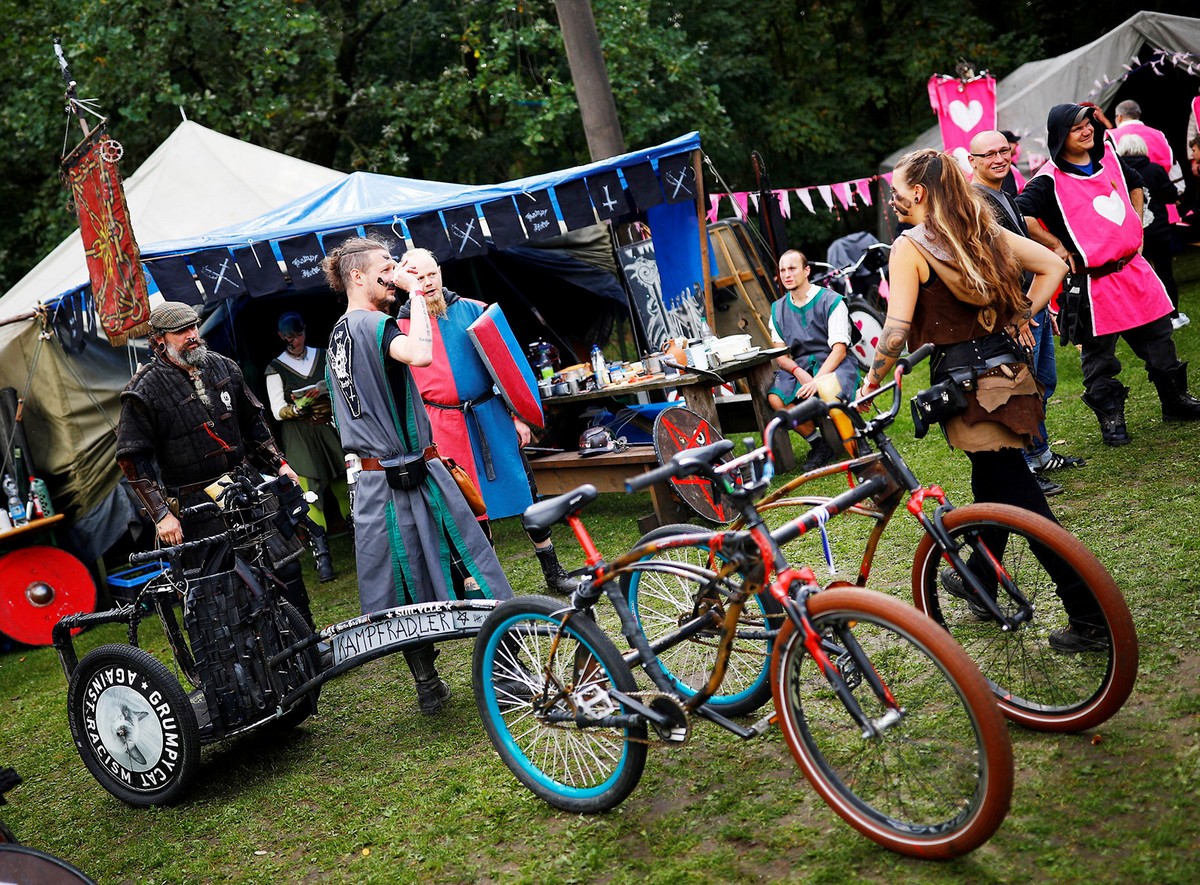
x=556 y=474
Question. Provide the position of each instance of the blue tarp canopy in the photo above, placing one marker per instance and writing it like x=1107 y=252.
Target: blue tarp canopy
x=365 y=198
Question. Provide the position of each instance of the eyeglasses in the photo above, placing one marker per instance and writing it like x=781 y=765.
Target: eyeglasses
x=991 y=155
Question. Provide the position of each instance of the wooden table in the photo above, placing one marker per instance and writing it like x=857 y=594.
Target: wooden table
x=565 y=471
x=696 y=390
x=556 y=474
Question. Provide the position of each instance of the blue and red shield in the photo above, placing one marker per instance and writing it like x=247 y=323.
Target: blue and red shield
x=505 y=361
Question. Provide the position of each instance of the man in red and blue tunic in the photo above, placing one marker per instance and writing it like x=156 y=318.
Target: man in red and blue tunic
x=471 y=424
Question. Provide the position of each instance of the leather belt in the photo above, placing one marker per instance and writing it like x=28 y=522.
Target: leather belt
x=1103 y=270
x=430 y=453
x=468 y=410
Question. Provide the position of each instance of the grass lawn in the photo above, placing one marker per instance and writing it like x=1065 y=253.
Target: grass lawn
x=370 y=791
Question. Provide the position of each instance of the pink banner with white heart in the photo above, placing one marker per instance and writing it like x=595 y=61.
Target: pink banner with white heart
x=964 y=108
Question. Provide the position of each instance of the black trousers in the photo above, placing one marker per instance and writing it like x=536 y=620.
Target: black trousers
x=1002 y=477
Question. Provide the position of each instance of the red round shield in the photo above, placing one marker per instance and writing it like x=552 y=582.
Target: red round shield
x=38 y=587
x=677 y=429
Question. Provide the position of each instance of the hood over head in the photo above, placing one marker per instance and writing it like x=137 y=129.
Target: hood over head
x=1058 y=125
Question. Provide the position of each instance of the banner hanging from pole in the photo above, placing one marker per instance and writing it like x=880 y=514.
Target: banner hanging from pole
x=964 y=108
x=113 y=259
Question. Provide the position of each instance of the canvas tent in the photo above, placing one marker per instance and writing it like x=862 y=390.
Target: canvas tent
x=1096 y=72
x=195 y=180
x=72 y=401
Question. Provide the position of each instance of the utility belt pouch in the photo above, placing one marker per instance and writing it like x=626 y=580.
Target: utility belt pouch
x=940 y=402
x=405 y=472
x=1071 y=309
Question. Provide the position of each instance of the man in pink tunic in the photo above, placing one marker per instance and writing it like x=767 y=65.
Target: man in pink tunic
x=1091 y=206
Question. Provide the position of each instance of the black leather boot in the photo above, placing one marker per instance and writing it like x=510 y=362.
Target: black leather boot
x=1109 y=405
x=432 y=691
x=1177 y=403
x=557 y=579
x=320 y=547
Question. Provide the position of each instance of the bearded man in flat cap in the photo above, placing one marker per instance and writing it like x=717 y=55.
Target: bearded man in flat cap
x=189 y=413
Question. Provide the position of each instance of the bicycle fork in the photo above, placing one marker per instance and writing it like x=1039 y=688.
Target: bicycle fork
x=936 y=528
x=851 y=651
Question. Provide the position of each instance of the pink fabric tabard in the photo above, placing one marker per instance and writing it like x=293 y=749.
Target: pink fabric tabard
x=1105 y=227
x=1157 y=149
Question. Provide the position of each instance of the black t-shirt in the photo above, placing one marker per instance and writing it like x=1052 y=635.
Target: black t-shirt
x=1037 y=201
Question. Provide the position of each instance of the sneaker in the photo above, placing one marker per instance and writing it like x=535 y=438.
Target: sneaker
x=1048 y=486
x=1179 y=320
x=1055 y=461
x=953 y=584
x=1074 y=640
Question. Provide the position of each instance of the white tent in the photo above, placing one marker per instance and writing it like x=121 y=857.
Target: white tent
x=195 y=181
x=1090 y=73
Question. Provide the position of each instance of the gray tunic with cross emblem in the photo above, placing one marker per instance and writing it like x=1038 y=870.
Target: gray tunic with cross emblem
x=411 y=545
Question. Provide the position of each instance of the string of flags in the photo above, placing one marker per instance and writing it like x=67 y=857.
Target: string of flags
x=1188 y=61
x=852 y=194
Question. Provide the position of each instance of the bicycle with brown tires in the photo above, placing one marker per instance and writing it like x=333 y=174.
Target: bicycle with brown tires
x=884 y=713
x=1005 y=583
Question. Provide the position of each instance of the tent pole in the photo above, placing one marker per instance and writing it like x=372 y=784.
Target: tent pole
x=702 y=224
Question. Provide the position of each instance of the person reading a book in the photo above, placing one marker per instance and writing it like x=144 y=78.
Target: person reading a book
x=299 y=399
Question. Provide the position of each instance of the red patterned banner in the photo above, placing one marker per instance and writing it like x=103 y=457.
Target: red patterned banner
x=113 y=259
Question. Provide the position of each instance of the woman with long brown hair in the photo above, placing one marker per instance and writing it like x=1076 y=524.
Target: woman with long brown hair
x=956 y=282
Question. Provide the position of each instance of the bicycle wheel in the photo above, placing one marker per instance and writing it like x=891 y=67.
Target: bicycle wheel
x=662 y=601
x=1035 y=685
x=532 y=676
x=937 y=782
x=866 y=328
x=133 y=725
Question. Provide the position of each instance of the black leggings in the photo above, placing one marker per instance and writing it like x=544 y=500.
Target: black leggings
x=1002 y=477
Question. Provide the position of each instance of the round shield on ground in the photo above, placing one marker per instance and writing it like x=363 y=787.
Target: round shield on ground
x=676 y=429
x=38 y=587
x=19 y=863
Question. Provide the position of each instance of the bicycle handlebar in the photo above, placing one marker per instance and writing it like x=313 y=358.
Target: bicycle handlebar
x=683 y=463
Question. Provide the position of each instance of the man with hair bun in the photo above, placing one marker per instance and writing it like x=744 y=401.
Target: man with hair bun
x=416 y=539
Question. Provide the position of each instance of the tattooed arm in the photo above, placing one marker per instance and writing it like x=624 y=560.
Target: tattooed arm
x=906 y=269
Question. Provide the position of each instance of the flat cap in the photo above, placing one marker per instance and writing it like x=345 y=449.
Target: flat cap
x=171 y=316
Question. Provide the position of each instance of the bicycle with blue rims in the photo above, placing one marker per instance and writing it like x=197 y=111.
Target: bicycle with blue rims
x=886 y=716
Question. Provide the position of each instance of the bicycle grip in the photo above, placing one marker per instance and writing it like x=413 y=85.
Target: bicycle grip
x=145 y=557
x=809 y=410
x=915 y=357
x=650 y=477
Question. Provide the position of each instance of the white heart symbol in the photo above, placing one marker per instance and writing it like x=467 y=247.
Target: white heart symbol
x=960 y=154
x=1110 y=207
x=966 y=116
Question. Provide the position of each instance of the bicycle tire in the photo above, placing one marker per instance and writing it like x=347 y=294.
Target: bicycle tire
x=1035 y=686
x=581 y=770
x=661 y=602
x=133 y=725
x=934 y=785
x=867 y=325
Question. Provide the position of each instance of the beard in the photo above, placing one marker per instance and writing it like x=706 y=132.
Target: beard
x=190 y=357
x=437 y=303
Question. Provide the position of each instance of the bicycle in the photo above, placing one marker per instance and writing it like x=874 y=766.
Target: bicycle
x=868 y=306
x=886 y=716
x=1003 y=616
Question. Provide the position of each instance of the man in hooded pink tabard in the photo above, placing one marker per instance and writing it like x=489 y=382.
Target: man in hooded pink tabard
x=1091 y=206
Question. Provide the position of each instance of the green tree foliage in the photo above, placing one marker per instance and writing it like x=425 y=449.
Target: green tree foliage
x=480 y=90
